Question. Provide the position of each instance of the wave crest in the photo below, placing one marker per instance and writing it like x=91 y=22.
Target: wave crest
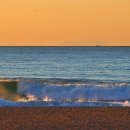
x=74 y=90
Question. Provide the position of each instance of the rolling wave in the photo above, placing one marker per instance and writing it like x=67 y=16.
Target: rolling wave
x=61 y=92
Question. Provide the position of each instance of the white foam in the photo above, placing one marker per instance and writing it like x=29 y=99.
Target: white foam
x=93 y=92
x=126 y=103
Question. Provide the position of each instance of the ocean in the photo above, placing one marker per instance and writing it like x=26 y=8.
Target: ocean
x=65 y=76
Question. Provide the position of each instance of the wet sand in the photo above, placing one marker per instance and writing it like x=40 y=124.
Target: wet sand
x=64 y=118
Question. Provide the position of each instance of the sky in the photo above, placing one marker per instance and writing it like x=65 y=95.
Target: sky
x=64 y=22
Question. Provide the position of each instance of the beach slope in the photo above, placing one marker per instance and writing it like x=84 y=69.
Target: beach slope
x=64 y=118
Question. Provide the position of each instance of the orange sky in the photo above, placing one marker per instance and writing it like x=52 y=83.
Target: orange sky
x=64 y=22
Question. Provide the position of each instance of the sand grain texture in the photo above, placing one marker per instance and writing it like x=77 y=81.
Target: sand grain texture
x=64 y=118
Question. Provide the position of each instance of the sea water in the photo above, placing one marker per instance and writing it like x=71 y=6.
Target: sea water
x=65 y=76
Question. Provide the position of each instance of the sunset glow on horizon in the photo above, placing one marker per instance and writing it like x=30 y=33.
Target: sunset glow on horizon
x=65 y=22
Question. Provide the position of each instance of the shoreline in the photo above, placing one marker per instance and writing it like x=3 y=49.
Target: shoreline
x=64 y=118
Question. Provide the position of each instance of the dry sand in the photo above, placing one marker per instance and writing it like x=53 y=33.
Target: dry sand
x=64 y=118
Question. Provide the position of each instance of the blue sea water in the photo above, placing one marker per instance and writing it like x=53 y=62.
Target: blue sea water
x=96 y=63
x=67 y=76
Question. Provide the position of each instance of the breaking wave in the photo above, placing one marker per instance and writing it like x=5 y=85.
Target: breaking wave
x=62 y=92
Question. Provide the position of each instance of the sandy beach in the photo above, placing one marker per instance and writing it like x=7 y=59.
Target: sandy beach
x=64 y=118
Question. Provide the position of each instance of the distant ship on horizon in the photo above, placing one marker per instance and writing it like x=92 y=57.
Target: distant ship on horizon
x=98 y=45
